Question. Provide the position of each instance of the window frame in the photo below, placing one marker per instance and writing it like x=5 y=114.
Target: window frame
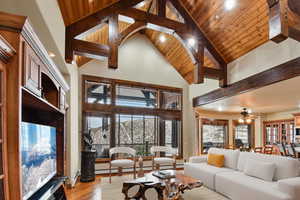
x=280 y=133
x=113 y=110
x=252 y=138
x=216 y=122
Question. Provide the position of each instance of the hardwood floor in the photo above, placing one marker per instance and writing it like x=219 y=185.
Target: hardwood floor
x=85 y=191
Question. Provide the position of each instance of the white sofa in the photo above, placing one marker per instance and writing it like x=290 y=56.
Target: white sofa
x=232 y=181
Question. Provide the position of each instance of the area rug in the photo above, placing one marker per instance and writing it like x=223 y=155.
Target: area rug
x=113 y=191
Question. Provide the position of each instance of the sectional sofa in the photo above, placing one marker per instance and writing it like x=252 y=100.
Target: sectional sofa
x=248 y=176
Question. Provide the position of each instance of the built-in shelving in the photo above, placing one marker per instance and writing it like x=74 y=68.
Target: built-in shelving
x=34 y=92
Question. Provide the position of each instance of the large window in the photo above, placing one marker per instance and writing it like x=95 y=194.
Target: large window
x=138 y=132
x=136 y=97
x=171 y=100
x=97 y=92
x=172 y=133
x=99 y=128
x=214 y=133
x=137 y=115
x=243 y=135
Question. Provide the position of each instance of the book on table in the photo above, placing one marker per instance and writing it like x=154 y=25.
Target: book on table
x=164 y=174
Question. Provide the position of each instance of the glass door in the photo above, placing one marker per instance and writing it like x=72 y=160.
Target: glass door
x=279 y=131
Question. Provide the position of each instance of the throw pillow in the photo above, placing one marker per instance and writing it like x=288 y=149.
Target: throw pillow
x=216 y=160
x=260 y=169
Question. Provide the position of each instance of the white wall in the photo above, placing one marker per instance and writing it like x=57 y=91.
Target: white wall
x=281 y=115
x=140 y=61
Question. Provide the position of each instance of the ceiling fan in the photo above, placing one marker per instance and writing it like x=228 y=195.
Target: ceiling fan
x=246 y=117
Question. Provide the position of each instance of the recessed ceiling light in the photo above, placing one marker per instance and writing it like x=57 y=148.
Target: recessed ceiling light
x=191 y=42
x=52 y=55
x=249 y=111
x=162 y=38
x=217 y=17
x=230 y=4
x=220 y=109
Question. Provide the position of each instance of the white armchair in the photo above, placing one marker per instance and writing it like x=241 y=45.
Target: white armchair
x=157 y=161
x=119 y=162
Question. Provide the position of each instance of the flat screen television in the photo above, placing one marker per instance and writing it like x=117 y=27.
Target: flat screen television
x=38 y=153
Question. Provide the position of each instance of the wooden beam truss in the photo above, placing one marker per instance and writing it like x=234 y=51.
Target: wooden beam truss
x=284 y=20
x=285 y=71
x=158 y=21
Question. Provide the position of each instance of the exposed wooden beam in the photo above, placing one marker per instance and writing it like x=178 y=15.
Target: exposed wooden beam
x=276 y=74
x=223 y=77
x=199 y=68
x=89 y=49
x=98 y=17
x=154 y=19
x=284 y=20
x=294 y=5
x=278 y=23
x=161 y=8
x=132 y=29
x=196 y=31
x=209 y=72
x=91 y=21
x=113 y=36
x=69 y=52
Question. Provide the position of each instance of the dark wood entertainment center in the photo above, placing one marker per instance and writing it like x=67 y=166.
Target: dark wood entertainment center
x=32 y=89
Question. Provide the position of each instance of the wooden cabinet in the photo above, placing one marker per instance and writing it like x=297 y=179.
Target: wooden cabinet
x=31 y=82
x=32 y=70
x=4 y=57
x=2 y=132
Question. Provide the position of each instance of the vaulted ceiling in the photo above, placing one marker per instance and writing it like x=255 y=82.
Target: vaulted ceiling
x=233 y=32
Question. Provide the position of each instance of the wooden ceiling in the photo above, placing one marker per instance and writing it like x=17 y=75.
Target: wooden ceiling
x=233 y=32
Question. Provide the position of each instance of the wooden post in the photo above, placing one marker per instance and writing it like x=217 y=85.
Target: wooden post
x=113 y=41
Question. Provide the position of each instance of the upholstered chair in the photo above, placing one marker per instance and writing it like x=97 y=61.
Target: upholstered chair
x=157 y=160
x=120 y=158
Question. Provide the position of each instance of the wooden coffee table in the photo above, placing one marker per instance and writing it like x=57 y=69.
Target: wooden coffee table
x=170 y=189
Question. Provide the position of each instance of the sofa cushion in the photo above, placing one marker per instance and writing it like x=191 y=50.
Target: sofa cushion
x=236 y=185
x=216 y=160
x=122 y=163
x=204 y=172
x=259 y=169
x=290 y=186
x=231 y=156
x=285 y=167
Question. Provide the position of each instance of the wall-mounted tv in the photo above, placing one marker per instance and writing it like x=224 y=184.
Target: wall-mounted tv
x=38 y=153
